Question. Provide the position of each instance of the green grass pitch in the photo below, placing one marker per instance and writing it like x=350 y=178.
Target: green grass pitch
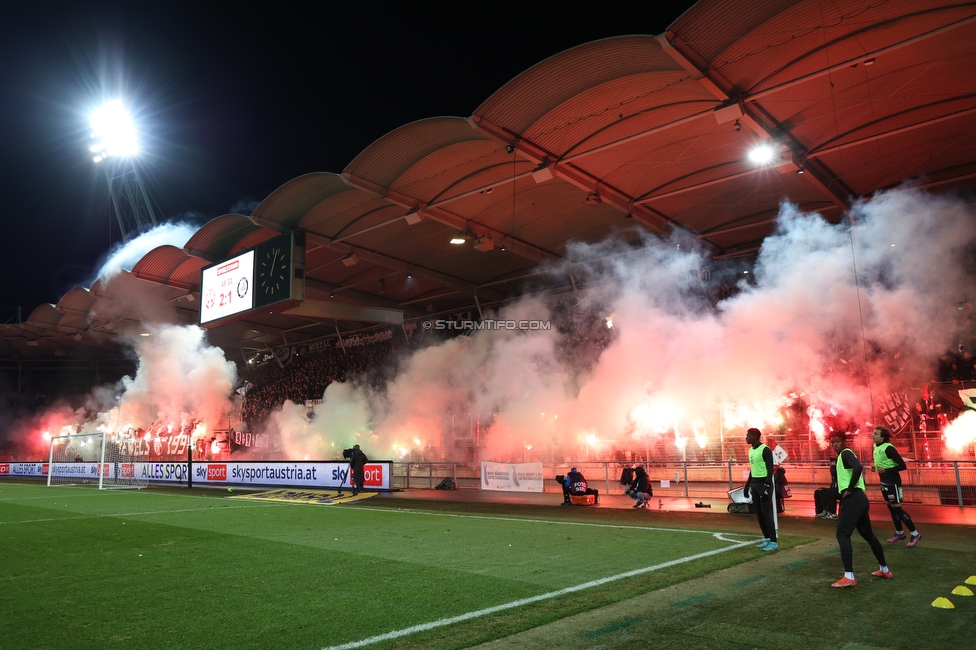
x=172 y=568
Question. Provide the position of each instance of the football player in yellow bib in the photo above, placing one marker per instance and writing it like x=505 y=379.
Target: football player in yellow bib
x=854 y=512
x=760 y=486
x=888 y=463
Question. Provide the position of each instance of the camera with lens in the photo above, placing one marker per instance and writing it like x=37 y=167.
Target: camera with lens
x=560 y=478
x=347 y=453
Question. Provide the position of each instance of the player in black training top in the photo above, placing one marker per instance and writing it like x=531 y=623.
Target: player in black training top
x=888 y=464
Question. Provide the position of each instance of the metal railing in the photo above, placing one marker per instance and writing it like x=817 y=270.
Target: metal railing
x=946 y=482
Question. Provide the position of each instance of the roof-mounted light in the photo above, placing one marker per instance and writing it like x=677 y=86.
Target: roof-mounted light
x=461 y=237
x=762 y=155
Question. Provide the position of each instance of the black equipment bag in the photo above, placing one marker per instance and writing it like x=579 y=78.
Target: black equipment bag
x=446 y=484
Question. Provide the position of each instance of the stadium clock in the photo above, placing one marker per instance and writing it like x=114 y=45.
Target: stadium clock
x=273 y=271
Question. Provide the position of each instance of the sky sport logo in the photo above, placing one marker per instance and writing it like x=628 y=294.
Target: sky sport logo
x=373 y=475
x=488 y=324
x=216 y=472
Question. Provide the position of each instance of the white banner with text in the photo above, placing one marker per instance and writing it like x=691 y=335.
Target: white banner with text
x=511 y=477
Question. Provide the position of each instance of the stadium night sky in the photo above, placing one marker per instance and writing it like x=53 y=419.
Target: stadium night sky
x=231 y=103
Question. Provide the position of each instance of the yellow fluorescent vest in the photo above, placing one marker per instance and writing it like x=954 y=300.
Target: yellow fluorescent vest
x=756 y=464
x=844 y=474
x=880 y=459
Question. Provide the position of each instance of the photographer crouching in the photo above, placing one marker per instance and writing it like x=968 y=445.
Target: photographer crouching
x=574 y=484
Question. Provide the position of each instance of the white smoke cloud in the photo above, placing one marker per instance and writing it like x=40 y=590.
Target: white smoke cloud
x=125 y=256
x=179 y=379
x=804 y=326
x=341 y=421
x=677 y=369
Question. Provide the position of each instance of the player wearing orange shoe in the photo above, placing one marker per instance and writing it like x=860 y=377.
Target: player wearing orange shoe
x=854 y=511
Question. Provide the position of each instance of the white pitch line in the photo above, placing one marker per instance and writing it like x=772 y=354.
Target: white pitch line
x=396 y=634
x=138 y=514
x=48 y=496
x=544 y=521
x=90 y=491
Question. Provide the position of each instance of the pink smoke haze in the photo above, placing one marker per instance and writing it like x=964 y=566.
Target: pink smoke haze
x=801 y=332
x=799 y=339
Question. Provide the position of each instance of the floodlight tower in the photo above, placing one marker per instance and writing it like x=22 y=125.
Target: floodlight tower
x=114 y=148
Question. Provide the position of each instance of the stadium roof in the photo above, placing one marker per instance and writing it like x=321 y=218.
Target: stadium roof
x=854 y=96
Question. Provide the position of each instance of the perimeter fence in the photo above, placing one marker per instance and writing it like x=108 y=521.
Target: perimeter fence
x=944 y=482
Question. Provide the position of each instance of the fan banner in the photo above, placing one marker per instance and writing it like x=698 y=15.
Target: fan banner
x=958 y=396
x=895 y=409
x=512 y=477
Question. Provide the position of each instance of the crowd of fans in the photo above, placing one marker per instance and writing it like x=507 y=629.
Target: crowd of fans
x=580 y=342
x=956 y=366
x=582 y=338
x=306 y=376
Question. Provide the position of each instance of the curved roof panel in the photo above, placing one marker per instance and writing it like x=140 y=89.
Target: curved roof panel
x=290 y=204
x=323 y=204
x=854 y=96
x=225 y=235
x=565 y=78
x=46 y=315
x=159 y=264
x=386 y=160
x=77 y=300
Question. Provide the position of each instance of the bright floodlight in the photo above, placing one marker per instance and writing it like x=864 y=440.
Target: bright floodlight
x=762 y=154
x=113 y=131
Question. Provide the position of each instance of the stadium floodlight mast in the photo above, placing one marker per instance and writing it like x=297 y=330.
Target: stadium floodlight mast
x=115 y=145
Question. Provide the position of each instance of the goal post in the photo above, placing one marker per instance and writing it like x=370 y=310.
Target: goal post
x=108 y=459
x=73 y=459
x=120 y=453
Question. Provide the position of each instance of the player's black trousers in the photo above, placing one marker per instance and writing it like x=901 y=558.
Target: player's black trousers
x=854 y=514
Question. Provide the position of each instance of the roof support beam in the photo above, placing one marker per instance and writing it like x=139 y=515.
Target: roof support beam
x=572 y=174
x=244 y=324
x=11 y=350
x=230 y=336
x=462 y=286
x=755 y=118
x=324 y=309
x=567 y=159
x=643 y=134
x=698 y=186
x=439 y=214
x=947 y=181
x=352 y=294
x=823 y=151
x=71 y=350
x=729 y=228
x=858 y=59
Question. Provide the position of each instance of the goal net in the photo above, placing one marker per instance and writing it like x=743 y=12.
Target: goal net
x=104 y=459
